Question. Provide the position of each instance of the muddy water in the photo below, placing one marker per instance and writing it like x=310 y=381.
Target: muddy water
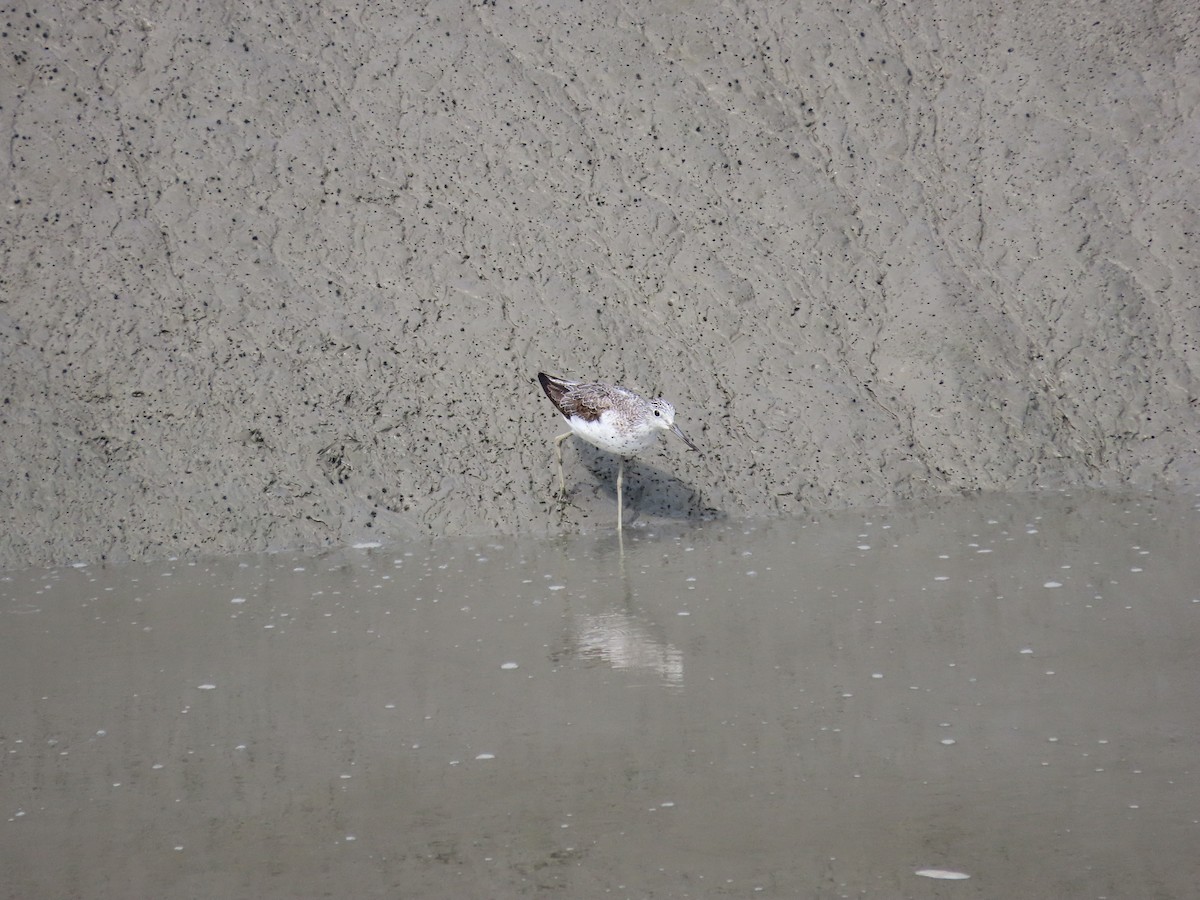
x=860 y=704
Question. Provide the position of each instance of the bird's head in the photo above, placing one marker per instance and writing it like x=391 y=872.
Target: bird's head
x=664 y=417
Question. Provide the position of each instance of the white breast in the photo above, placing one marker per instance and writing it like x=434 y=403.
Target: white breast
x=610 y=433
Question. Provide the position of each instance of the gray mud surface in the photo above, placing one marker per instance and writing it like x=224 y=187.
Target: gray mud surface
x=281 y=275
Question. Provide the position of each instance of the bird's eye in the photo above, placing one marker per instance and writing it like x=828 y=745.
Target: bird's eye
x=657 y=413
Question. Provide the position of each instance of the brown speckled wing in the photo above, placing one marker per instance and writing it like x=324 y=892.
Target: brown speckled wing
x=587 y=401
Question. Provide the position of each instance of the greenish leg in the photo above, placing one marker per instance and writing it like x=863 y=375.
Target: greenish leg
x=620 y=478
x=562 y=482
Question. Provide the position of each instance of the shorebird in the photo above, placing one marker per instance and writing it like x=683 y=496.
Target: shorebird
x=611 y=418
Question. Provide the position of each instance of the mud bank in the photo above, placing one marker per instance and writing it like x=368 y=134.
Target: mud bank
x=283 y=277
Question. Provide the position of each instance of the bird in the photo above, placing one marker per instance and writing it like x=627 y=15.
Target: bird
x=611 y=418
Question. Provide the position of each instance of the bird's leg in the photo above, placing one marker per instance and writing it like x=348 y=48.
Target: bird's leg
x=620 y=478
x=562 y=483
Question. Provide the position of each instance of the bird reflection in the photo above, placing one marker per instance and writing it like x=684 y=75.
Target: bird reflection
x=621 y=636
x=619 y=640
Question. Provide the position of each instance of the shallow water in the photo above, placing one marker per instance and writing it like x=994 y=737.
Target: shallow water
x=856 y=704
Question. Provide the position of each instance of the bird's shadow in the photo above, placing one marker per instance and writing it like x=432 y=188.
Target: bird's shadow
x=648 y=490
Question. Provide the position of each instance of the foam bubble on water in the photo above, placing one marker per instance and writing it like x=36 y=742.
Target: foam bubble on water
x=238 y=600
x=944 y=874
x=486 y=756
x=508 y=665
x=206 y=687
x=1052 y=584
x=366 y=545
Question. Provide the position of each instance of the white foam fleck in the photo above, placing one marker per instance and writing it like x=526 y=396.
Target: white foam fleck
x=366 y=545
x=1052 y=584
x=486 y=756
x=206 y=687
x=238 y=600
x=944 y=874
x=948 y=741
x=508 y=665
